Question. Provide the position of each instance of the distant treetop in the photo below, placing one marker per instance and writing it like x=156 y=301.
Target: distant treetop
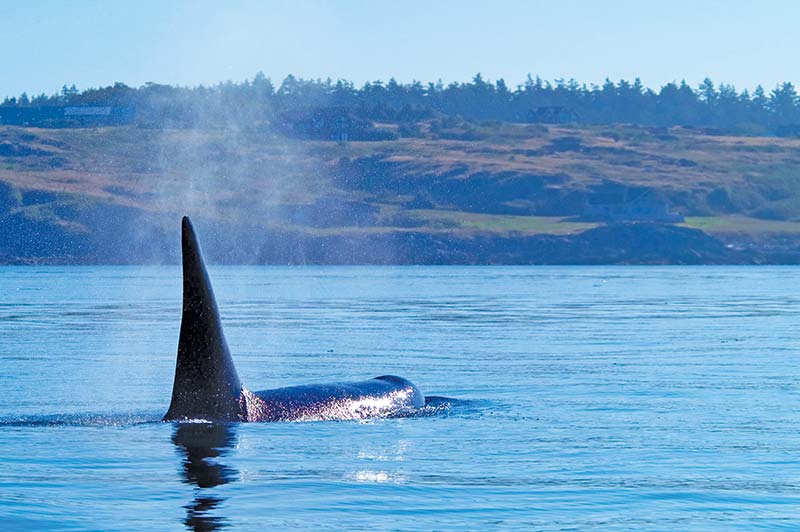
x=258 y=100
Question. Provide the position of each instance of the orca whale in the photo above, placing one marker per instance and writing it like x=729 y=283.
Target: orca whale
x=207 y=386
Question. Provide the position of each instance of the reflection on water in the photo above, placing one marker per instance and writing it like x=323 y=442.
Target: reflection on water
x=201 y=444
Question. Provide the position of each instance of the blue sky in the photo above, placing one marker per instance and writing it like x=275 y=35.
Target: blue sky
x=47 y=43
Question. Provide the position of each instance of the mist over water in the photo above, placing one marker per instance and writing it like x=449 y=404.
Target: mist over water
x=589 y=398
x=225 y=175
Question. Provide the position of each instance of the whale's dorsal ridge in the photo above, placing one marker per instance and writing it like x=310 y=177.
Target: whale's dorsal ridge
x=206 y=383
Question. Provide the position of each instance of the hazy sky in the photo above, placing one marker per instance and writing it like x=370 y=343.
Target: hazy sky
x=47 y=43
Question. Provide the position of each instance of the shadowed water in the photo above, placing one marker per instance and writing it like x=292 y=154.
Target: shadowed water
x=600 y=398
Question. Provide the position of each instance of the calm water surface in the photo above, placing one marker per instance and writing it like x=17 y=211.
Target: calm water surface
x=599 y=398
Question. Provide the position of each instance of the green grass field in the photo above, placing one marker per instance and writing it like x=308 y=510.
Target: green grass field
x=502 y=224
x=741 y=225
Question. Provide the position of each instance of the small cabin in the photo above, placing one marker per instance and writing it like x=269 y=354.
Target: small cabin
x=330 y=123
x=630 y=205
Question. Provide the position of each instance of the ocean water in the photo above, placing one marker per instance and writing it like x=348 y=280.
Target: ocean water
x=587 y=398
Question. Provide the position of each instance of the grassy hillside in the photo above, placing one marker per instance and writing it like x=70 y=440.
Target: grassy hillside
x=113 y=194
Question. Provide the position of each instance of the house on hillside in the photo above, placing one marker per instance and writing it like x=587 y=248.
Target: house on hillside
x=67 y=116
x=552 y=115
x=629 y=205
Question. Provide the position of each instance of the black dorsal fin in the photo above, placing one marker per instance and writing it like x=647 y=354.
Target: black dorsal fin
x=206 y=383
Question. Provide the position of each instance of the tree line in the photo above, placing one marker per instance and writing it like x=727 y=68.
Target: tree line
x=259 y=100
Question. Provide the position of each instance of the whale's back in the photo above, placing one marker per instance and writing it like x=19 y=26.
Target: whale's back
x=383 y=396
